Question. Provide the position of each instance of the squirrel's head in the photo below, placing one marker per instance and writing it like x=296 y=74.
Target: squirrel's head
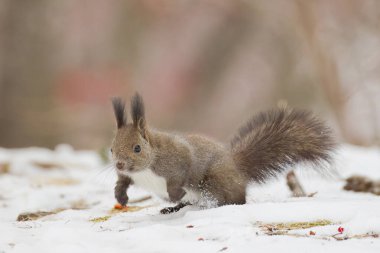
x=131 y=149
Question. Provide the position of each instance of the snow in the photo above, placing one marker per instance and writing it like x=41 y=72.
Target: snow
x=45 y=180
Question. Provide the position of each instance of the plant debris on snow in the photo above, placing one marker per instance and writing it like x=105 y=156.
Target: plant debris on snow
x=63 y=201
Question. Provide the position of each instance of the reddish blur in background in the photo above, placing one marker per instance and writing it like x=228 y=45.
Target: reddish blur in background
x=202 y=66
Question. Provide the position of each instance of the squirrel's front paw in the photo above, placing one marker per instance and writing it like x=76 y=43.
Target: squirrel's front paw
x=121 y=197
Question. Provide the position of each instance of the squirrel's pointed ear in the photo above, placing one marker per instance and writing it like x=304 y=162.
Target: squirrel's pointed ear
x=119 y=110
x=138 y=113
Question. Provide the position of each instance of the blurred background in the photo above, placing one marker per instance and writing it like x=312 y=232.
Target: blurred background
x=202 y=66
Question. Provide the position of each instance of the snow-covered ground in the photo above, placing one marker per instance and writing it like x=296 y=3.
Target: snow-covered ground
x=80 y=187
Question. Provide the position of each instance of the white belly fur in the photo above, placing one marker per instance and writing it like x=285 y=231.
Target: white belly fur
x=149 y=181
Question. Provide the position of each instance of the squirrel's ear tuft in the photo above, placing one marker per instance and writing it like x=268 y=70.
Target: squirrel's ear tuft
x=138 y=111
x=119 y=110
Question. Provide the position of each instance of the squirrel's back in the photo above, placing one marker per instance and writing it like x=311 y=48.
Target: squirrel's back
x=273 y=141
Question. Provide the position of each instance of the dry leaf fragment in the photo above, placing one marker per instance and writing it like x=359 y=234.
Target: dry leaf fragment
x=100 y=219
x=47 y=165
x=28 y=216
x=129 y=209
x=4 y=168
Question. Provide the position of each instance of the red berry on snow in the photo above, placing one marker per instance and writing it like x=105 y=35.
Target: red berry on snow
x=340 y=230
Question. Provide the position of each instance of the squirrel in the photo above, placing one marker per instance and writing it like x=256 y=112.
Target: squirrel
x=191 y=169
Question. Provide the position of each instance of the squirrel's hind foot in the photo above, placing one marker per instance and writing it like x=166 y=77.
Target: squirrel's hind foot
x=174 y=209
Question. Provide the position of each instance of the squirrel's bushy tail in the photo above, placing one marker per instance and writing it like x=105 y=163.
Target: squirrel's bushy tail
x=273 y=141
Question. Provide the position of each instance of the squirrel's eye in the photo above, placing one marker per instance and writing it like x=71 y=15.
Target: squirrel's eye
x=111 y=150
x=137 y=149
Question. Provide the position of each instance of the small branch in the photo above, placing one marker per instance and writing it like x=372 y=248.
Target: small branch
x=294 y=185
x=138 y=200
x=362 y=184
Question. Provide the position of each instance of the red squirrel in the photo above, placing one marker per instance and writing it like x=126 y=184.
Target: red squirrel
x=188 y=169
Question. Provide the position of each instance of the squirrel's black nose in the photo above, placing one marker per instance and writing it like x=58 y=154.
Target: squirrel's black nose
x=120 y=165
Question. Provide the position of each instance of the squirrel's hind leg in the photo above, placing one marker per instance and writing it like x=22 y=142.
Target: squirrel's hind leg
x=225 y=184
x=173 y=209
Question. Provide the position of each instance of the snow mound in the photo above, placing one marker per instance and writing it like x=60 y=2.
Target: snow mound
x=77 y=190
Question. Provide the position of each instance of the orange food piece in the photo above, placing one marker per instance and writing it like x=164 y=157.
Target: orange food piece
x=118 y=206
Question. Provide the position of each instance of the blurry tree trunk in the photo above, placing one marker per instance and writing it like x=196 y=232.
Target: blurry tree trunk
x=25 y=74
x=327 y=71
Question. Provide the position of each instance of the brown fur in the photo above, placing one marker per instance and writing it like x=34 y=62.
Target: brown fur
x=267 y=145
